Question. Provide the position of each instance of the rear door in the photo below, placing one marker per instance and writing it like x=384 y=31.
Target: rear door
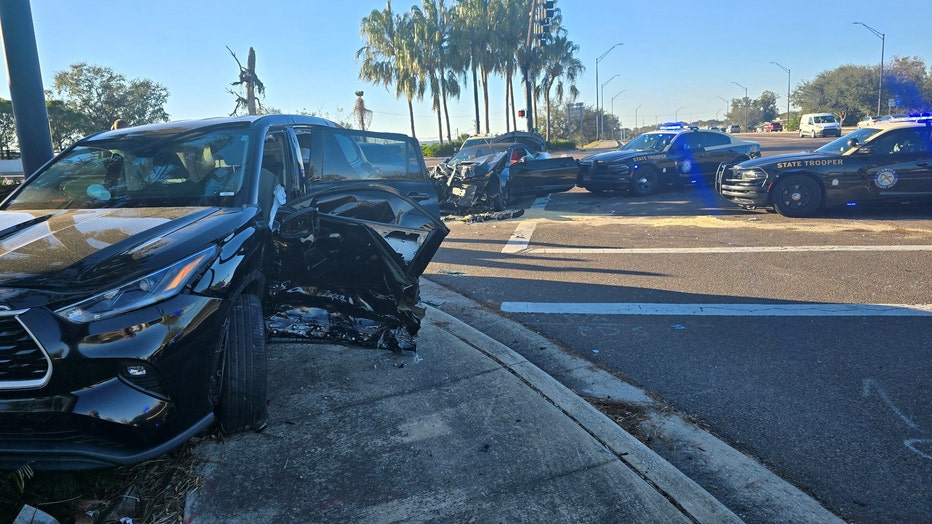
x=333 y=156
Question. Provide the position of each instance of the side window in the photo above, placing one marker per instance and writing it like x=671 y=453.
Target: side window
x=714 y=139
x=896 y=142
x=689 y=141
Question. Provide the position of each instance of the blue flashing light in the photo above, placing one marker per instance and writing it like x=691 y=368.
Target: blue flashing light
x=851 y=204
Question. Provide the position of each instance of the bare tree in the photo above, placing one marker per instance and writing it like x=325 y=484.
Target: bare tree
x=362 y=116
x=247 y=78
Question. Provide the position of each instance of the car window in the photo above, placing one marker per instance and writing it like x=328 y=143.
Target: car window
x=903 y=141
x=349 y=154
x=714 y=139
x=143 y=171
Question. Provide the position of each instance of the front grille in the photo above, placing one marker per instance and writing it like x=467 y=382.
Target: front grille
x=23 y=363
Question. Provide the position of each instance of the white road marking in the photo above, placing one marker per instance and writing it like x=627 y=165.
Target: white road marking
x=730 y=310
x=869 y=385
x=522 y=236
x=704 y=250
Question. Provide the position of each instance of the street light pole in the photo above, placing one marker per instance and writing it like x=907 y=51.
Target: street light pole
x=636 y=119
x=727 y=106
x=676 y=114
x=613 y=108
x=602 y=119
x=745 y=105
x=883 y=43
x=598 y=118
x=787 y=89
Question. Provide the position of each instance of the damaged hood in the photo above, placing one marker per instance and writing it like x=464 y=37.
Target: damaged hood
x=474 y=168
x=87 y=248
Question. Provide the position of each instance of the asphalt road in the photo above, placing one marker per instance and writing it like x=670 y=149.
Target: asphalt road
x=764 y=329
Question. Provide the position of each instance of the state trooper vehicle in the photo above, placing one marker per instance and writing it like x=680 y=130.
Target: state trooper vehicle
x=884 y=163
x=675 y=154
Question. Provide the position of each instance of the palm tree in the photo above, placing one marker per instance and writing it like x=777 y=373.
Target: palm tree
x=474 y=33
x=430 y=39
x=559 y=63
x=509 y=41
x=389 y=56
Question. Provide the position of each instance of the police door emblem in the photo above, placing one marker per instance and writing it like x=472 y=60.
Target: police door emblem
x=886 y=179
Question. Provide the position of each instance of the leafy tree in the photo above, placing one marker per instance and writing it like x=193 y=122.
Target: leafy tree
x=7 y=128
x=907 y=82
x=475 y=18
x=431 y=26
x=66 y=124
x=103 y=95
x=846 y=90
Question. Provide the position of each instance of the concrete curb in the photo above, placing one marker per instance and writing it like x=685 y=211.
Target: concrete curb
x=740 y=482
x=692 y=499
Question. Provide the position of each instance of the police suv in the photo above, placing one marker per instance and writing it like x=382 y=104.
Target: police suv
x=882 y=163
x=674 y=154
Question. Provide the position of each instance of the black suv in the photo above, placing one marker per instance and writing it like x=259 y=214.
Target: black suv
x=664 y=157
x=142 y=269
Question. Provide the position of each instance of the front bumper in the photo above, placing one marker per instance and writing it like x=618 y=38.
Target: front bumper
x=603 y=176
x=742 y=192
x=112 y=392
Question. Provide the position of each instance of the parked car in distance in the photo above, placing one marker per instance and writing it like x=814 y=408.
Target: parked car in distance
x=819 y=125
x=883 y=163
x=659 y=158
x=773 y=127
x=867 y=121
x=734 y=128
x=491 y=175
x=143 y=268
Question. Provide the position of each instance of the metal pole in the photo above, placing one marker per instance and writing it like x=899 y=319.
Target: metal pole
x=598 y=116
x=745 y=105
x=883 y=43
x=22 y=59
x=602 y=128
x=613 y=108
x=787 y=89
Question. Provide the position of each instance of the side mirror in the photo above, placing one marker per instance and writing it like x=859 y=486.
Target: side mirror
x=853 y=143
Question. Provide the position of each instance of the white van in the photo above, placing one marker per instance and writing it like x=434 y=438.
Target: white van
x=819 y=124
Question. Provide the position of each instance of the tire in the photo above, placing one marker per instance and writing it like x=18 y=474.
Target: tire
x=797 y=196
x=496 y=200
x=243 y=382
x=801 y=133
x=645 y=181
x=505 y=194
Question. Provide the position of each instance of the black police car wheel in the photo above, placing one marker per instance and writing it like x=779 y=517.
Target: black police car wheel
x=797 y=196
x=243 y=386
x=645 y=181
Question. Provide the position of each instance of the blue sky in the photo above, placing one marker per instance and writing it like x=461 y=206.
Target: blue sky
x=679 y=58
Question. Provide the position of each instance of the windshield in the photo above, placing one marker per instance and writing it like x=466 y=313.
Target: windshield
x=824 y=119
x=142 y=171
x=472 y=153
x=842 y=145
x=650 y=142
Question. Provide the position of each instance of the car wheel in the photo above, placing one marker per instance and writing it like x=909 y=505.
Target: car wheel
x=506 y=195
x=243 y=385
x=797 y=196
x=496 y=200
x=645 y=181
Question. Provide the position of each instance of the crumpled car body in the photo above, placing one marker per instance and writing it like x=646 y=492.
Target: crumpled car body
x=143 y=269
x=490 y=176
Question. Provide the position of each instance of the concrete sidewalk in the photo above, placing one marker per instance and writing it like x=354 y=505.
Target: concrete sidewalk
x=466 y=430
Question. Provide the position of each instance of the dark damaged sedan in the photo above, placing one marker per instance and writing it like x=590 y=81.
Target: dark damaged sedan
x=142 y=270
x=491 y=175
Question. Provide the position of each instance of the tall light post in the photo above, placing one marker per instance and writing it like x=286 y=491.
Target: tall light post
x=598 y=118
x=745 y=105
x=636 y=119
x=601 y=118
x=883 y=42
x=727 y=106
x=676 y=114
x=613 y=109
x=787 y=89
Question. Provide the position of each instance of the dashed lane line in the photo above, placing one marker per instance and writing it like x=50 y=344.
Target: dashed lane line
x=731 y=310
x=521 y=238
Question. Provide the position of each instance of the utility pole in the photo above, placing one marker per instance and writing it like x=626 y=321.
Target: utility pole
x=538 y=32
